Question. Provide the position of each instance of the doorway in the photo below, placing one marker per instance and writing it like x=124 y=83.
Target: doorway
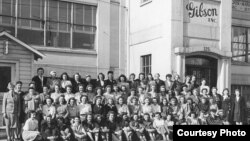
x=202 y=67
x=5 y=77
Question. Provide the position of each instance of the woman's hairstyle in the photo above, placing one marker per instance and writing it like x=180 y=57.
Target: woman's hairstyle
x=108 y=86
x=98 y=97
x=72 y=98
x=50 y=99
x=226 y=89
x=147 y=98
x=132 y=74
x=62 y=96
x=68 y=86
x=90 y=115
x=141 y=74
x=98 y=88
x=187 y=76
x=19 y=82
x=204 y=89
x=65 y=73
x=169 y=75
x=31 y=88
x=84 y=96
x=122 y=75
x=149 y=74
x=158 y=113
x=110 y=113
x=103 y=76
x=214 y=88
x=32 y=112
x=118 y=99
x=110 y=72
x=113 y=101
x=78 y=75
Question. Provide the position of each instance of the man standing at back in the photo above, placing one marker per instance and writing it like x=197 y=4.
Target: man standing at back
x=39 y=80
x=110 y=81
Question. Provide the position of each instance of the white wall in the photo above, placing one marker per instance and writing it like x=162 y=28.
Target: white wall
x=150 y=33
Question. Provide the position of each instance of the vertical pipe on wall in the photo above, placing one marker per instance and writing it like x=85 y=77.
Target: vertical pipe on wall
x=45 y=22
x=16 y=14
x=128 y=39
x=120 y=9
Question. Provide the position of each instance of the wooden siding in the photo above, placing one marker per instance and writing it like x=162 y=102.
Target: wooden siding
x=23 y=56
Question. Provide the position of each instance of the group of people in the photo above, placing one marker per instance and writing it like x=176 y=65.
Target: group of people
x=86 y=109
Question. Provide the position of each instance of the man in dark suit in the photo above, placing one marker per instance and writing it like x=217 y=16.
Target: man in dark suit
x=39 y=80
x=110 y=81
x=158 y=82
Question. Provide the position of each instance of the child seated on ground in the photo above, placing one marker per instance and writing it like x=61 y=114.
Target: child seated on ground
x=160 y=126
x=30 y=129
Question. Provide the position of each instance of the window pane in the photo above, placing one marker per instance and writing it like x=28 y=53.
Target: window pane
x=30 y=20
x=64 y=16
x=84 y=28
x=88 y=15
x=53 y=10
x=239 y=52
x=36 y=13
x=239 y=34
x=58 y=31
x=29 y=36
x=24 y=12
x=8 y=12
x=83 y=40
x=78 y=14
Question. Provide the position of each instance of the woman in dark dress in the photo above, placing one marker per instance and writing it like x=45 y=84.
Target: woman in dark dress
x=226 y=103
x=114 y=132
x=77 y=80
x=238 y=111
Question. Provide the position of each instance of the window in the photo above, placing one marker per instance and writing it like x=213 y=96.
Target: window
x=84 y=31
x=240 y=44
x=146 y=64
x=58 y=24
x=63 y=24
x=143 y=2
x=30 y=21
x=7 y=13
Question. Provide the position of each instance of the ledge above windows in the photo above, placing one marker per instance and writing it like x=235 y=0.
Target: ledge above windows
x=65 y=50
x=145 y=2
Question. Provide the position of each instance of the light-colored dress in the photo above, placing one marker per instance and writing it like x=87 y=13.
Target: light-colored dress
x=85 y=108
x=30 y=130
x=11 y=107
x=55 y=97
x=160 y=126
x=147 y=109
x=68 y=96
x=49 y=110
x=122 y=109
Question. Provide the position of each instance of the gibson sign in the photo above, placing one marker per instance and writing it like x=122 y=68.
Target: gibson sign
x=200 y=12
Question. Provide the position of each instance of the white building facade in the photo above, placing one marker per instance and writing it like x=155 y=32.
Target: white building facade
x=185 y=37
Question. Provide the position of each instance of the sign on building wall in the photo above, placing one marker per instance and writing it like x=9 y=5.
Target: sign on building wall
x=241 y=5
x=202 y=12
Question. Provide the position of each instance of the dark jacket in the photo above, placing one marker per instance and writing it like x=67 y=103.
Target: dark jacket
x=243 y=109
x=39 y=84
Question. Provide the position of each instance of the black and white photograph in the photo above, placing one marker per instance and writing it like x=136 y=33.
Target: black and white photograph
x=124 y=70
